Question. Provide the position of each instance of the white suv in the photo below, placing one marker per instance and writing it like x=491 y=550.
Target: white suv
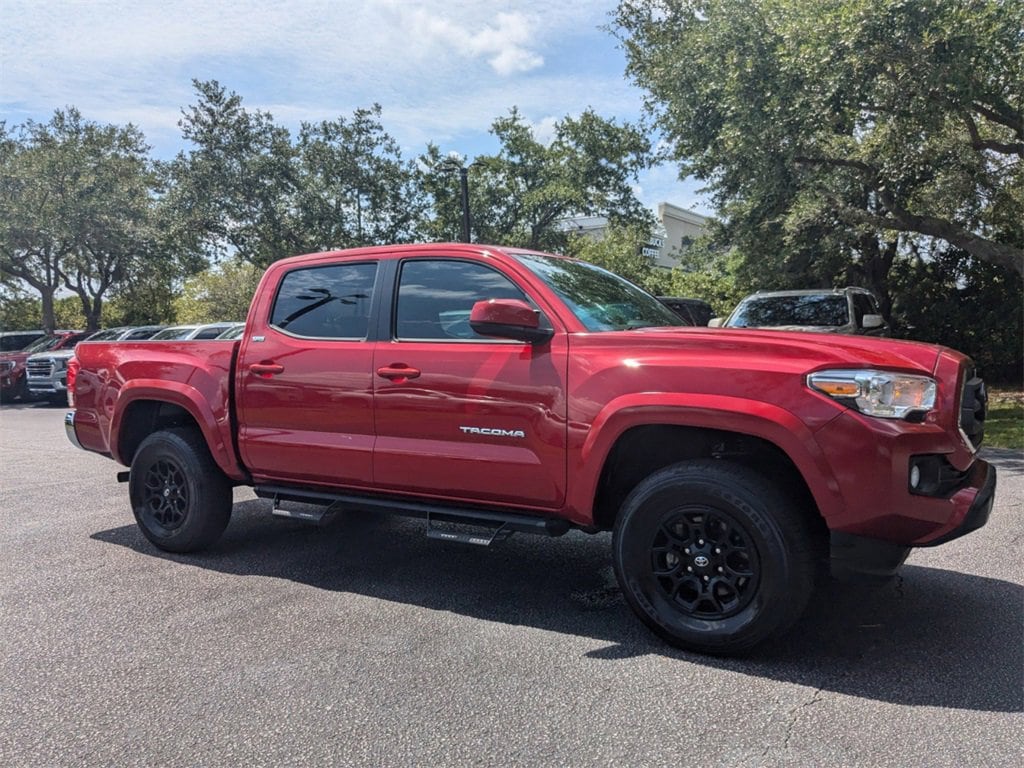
x=840 y=310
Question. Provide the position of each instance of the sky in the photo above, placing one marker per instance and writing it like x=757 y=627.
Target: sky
x=442 y=70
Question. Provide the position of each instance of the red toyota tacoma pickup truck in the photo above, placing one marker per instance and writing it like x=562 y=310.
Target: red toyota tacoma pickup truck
x=495 y=390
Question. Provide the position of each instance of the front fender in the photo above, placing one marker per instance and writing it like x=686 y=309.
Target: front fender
x=718 y=412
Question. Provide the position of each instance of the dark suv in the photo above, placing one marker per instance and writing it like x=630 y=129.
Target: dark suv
x=693 y=311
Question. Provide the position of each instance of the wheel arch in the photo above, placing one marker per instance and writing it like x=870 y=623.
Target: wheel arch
x=634 y=441
x=140 y=411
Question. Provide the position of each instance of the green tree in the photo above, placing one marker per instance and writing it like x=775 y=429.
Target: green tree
x=233 y=193
x=857 y=118
x=354 y=189
x=619 y=250
x=221 y=293
x=948 y=297
x=77 y=199
x=19 y=310
x=522 y=195
x=708 y=272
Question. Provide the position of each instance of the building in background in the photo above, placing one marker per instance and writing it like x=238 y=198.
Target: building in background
x=676 y=228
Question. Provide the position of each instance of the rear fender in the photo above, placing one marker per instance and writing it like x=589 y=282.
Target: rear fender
x=216 y=431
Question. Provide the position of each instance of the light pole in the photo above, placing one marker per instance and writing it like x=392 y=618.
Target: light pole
x=452 y=163
x=464 y=188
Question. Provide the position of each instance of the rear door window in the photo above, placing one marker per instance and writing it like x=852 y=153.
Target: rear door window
x=330 y=302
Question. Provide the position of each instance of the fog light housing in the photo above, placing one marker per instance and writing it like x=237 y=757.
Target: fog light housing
x=933 y=475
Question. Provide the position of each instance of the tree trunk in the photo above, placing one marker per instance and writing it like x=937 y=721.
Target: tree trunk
x=49 y=321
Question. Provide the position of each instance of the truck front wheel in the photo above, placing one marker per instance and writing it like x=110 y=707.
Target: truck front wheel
x=180 y=498
x=713 y=557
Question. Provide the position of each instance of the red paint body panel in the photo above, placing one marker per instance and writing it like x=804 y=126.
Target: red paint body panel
x=504 y=423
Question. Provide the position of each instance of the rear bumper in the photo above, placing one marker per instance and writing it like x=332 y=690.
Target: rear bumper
x=69 y=429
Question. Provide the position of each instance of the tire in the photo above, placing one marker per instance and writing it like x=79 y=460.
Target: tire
x=180 y=497
x=713 y=557
x=18 y=392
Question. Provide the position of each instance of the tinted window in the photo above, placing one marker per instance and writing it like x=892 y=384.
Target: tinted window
x=601 y=300
x=863 y=305
x=71 y=342
x=141 y=333
x=177 y=332
x=435 y=298
x=107 y=335
x=326 y=302
x=814 y=309
x=209 y=333
x=15 y=341
x=43 y=344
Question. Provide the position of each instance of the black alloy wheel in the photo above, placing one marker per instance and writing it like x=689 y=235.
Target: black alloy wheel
x=713 y=557
x=705 y=562
x=180 y=497
x=165 y=495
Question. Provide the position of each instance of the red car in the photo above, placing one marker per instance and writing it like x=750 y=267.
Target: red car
x=517 y=391
x=13 y=380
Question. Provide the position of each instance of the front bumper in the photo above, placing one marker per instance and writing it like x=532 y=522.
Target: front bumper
x=54 y=386
x=854 y=556
x=980 y=509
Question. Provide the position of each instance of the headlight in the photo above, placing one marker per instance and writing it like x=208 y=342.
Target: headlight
x=6 y=366
x=877 y=393
x=60 y=363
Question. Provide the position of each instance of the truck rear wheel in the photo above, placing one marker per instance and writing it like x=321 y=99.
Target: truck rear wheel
x=180 y=498
x=713 y=557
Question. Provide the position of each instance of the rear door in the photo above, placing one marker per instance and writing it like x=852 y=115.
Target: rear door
x=304 y=383
x=460 y=415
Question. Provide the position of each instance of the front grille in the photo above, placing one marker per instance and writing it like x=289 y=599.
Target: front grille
x=39 y=368
x=973 y=409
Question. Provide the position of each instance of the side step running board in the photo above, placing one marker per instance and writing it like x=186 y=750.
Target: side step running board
x=498 y=525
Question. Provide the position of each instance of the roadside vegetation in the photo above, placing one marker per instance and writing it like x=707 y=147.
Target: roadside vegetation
x=876 y=143
x=1004 y=427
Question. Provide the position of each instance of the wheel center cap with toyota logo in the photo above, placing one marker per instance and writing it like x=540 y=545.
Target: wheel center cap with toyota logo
x=701 y=561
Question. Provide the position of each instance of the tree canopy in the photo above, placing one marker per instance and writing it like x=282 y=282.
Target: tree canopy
x=522 y=194
x=853 y=118
x=78 y=201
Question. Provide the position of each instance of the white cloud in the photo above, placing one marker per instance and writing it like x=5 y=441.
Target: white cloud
x=442 y=70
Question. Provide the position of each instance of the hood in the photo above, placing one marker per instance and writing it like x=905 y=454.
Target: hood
x=58 y=354
x=784 y=351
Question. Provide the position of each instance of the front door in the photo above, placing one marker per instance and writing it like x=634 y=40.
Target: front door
x=459 y=415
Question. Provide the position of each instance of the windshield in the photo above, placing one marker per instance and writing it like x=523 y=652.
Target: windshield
x=42 y=344
x=173 y=333
x=602 y=301
x=768 y=311
x=107 y=335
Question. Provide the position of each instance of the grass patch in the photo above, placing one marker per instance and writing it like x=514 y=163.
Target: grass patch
x=1004 y=427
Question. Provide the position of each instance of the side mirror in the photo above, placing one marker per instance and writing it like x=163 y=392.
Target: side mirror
x=716 y=322
x=870 y=322
x=508 y=319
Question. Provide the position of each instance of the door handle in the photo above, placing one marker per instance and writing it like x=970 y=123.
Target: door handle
x=266 y=369
x=397 y=372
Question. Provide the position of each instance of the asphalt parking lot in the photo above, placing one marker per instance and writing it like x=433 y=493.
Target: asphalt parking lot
x=364 y=643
